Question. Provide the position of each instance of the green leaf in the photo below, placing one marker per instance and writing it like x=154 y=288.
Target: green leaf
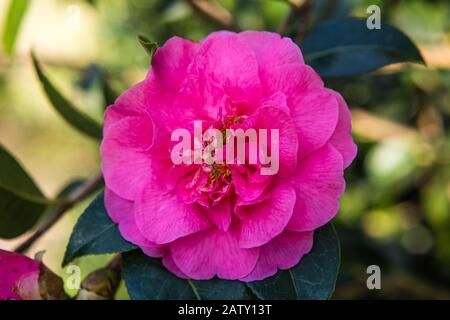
x=313 y=278
x=147 y=279
x=95 y=233
x=13 y=21
x=21 y=201
x=346 y=47
x=149 y=46
x=66 y=109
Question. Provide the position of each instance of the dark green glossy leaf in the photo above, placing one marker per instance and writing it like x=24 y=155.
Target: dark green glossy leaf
x=147 y=279
x=13 y=21
x=313 y=278
x=95 y=233
x=346 y=47
x=21 y=201
x=149 y=46
x=66 y=109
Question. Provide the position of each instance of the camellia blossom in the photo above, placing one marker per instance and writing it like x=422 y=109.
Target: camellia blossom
x=226 y=220
x=19 y=277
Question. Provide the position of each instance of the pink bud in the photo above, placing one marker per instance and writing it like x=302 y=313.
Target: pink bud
x=19 y=277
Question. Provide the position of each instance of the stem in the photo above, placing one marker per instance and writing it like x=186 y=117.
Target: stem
x=58 y=211
x=213 y=11
x=305 y=12
x=300 y=10
x=286 y=23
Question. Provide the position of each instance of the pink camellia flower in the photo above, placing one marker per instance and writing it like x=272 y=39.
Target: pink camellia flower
x=19 y=277
x=226 y=220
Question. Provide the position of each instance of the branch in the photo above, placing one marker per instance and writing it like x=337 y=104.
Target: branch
x=214 y=12
x=300 y=10
x=58 y=211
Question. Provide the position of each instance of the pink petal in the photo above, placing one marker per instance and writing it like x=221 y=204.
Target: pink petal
x=127 y=136
x=282 y=252
x=264 y=221
x=162 y=216
x=271 y=49
x=314 y=109
x=135 y=99
x=126 y=130
x=171 y=62
x=205 y=254
x=269 y=117
x=220 y=214
x=341 y=138
x=223 y=65
x=294 y=80
x=246 y=189
x=126 y=172
x=318 y=184
x=17 y=271
x=172 y=267
x=121 y=212
x=315 y=116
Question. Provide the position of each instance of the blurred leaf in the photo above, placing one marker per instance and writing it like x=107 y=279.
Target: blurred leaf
x=147 y=279
x=13 y=21
x=149 y=46
x=109 y=95
x=95 y=233
x=92 y=2
x=68 y=111
x=313 y=278
x=346 y=47
x=21 y=201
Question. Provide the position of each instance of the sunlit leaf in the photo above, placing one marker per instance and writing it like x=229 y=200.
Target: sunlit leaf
x=13 y=21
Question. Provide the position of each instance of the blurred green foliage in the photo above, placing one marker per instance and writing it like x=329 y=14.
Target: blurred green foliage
x=396 y=210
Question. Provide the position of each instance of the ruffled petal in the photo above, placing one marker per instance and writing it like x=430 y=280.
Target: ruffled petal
x=318 y=184
x=341 y=138
x=282 y=252
x=121 y=212
x=263 y=221
x=213 y=252
x=162 y=216
x=271 y=49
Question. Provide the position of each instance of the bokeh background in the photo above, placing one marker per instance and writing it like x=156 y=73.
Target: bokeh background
x=396 y=210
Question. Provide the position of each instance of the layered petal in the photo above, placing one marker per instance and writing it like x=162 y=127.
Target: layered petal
x=127 y=137
x=263 y=221
x=213 y=252
x=282 y=252
x=170 y=63
x=341 y=138
x=271 y=49
x=163 y=217
x=314 y=110
x=224 y=66
x=121 y=212
x=276 y=118
x=318 y=184
x=18 y=276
